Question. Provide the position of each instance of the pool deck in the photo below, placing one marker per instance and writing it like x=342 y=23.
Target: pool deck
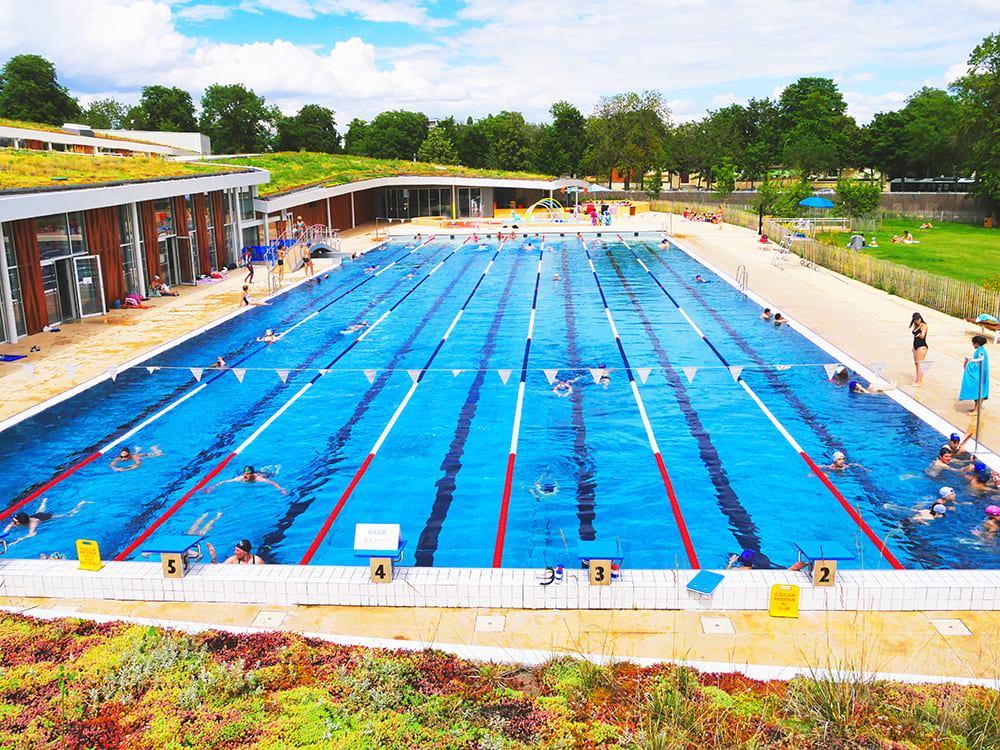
x=948 y=639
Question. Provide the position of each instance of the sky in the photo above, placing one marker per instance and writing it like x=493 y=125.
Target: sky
x=473 y=58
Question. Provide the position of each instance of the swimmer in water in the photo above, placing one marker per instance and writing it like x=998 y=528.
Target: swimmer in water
x=701 y=280
x=990 y=527
x=545 y=486
x=249 y=476
x=766 y=315
x=872 y=390
x=926 y=516
x=355 y=327
x=840 y=462
x=22 y=520
x=127 y=460
x=269 y=337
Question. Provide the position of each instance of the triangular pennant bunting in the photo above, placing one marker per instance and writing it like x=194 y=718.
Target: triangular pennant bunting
x=113 y=372
x=644 y=373
x=830 y=369
x=283 y=374
x=779 y=368
x=370 y=374
x=323 y=372
x=71 y=369
x=550 y=375
x=151 y=370
x=596 y=374
x=735 y=371
x=414 y=375
x=197 y=371
x=29 y=370
x=877 y=368
x=926 y=367
x=504 y=375
x=456 y=373
x=239 y=372
x=689 y=373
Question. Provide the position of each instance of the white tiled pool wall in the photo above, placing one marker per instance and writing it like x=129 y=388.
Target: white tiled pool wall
x=855 y=590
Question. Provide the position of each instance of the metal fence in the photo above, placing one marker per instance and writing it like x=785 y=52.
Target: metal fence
x=962 y=299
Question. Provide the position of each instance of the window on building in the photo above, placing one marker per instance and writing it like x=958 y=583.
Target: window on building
x=15 y=289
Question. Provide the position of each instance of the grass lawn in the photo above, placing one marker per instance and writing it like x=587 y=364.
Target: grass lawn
x=959 y=251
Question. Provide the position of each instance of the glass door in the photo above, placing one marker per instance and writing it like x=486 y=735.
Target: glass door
x=53 y=303
x=89 y=289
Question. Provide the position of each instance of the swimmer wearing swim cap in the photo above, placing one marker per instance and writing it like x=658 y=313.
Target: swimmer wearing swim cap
x=746 y=559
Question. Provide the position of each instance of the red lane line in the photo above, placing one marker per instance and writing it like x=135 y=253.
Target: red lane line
x=504 y=504
x=50 y=483
x=676 y=506
x=853 y=513
x=174 y=508
x=336 y=511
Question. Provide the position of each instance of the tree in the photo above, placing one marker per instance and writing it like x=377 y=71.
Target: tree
x=236 y=119
x=561 y=145
x=628 y=132
x=395 y=135
x=169 y=109
x=106 y=114
x=311 y=129
x=725 y=178
x=438 y=147
x=979 y=93
x=473 y=144
x=789 y=196
x=930 y=133
x=29 y=91
x=767 y=198
x=858 y=198
x=885 y=144
x=813 y=123
x=509 y=141
x=655 y=184
x=354 y=138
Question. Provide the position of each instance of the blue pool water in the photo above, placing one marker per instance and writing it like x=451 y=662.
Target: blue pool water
x=584 y=467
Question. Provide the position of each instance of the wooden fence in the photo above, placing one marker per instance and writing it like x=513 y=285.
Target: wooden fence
x=962 y=299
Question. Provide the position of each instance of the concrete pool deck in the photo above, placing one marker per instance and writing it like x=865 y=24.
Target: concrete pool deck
x=867 y=324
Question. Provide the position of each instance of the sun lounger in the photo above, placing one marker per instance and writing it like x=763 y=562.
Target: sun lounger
x=985 y=327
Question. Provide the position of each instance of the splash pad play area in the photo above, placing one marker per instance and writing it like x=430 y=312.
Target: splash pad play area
x=349 y=581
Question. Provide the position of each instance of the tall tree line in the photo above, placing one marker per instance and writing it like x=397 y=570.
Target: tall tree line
x=805 y=130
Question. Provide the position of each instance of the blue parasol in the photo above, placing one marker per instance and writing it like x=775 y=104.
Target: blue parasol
x=814 y=201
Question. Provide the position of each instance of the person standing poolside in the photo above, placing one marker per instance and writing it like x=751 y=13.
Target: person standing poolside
x=248 y=262
x=281 y=265
x=307 y=263
x=976 y=378
x=919 y=328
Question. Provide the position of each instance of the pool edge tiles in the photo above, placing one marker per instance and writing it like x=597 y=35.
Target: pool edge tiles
x=509 y=588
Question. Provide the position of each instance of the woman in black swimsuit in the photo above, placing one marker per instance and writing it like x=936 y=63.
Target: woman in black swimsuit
x=919 y=327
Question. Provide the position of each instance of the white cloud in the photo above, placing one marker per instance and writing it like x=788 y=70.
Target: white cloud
x=518 y=55
x=203 y=13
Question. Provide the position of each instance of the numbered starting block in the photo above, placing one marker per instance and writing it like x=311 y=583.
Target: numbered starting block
x=822 y=557
x=382 y=545
x=176 y=552
x=603 y=559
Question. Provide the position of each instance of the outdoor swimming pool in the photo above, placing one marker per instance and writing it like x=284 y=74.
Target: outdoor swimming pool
x=441 y=415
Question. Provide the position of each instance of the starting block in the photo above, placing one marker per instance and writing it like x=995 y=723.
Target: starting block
x=176 y=552
x=604 y=559
x=822 y=557
x=382 y=545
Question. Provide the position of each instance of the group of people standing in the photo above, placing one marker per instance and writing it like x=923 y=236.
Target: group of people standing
x=975 y=375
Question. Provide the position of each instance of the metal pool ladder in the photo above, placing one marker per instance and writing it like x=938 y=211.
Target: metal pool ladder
x=742 y=278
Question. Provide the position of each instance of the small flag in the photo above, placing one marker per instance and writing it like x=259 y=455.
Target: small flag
x=370 y=374
x=689 y=373
x=735 y=371
x=283 y=374
x=29 y=370
x=644 y=373
x=504 y=375
x=239 y=372
x=151 y=370
x=414 y=375
x=197 y=371
x=323 y=372
x=550 y=375
x=71 y=369
x=779 y=368
x=830 y=369
x=113 y=372
x=877 y=368
x=456 y=373
x=596 y=373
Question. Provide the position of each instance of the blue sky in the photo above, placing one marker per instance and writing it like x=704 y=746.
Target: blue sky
x=473 y=57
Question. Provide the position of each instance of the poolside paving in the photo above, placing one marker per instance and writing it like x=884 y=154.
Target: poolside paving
x=867 y=324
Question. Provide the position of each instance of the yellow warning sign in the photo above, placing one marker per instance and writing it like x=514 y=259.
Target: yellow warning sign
x=88 y=554
x=784 y=601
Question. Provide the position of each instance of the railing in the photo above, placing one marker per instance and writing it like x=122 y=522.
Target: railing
x=742 y=278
